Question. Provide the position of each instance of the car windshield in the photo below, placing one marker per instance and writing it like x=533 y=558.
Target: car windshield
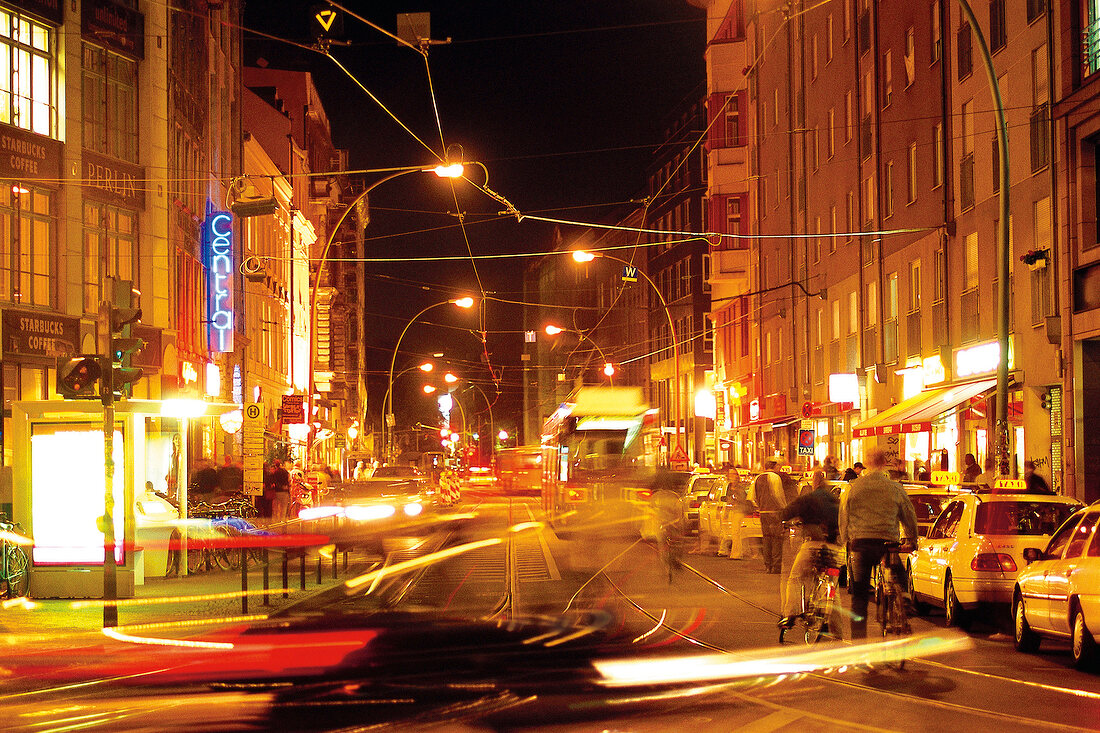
x=1021 y=517
x=396 y=472
x=928 y=506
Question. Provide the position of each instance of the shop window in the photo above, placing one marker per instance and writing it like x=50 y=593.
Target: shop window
x=28 y=70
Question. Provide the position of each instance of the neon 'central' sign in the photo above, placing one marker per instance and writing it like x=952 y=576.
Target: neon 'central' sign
x=218 y=233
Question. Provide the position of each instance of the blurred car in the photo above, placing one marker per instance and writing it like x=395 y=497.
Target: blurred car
x=700 y=485
x=716 y=515
x=1058 y=594
x=397 y=471
x=155 y=520
x=975 y=549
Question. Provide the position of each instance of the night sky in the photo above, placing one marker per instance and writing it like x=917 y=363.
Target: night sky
x=563 y=102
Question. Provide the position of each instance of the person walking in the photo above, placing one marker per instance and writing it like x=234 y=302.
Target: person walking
x=770 y=500
x=871 y=513
x=1035 y=483
x=832 y=472
x=971 y=470
x=736 y=510
x=819 y=511
x=280 y=495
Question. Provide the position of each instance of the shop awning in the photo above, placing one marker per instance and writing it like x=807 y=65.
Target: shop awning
x=915 y=415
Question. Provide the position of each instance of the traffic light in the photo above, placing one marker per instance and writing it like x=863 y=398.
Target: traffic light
x=78 y=377
x=123 y=344
x=1046 y=400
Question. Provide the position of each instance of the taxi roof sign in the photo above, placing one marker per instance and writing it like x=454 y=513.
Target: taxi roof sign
x=946 y=477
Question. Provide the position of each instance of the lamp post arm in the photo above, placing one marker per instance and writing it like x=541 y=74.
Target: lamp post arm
x=675 y=343
x=317 y=284
x=393 y=361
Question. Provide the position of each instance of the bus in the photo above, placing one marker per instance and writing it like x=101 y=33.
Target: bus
x=518 y=470
x=599 y=453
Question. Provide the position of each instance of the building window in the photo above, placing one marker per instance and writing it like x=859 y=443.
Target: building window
x=733 y=215
x=939 y=292
x=815 y=158
x=1040 y=277
x=1040 y=115
x=998 y=33
x=847 y=20
x=27 y=253
x=911 y=175
x=937 y=32
x=849 y=120
x=1092 y=38
x=914 y=286
x=813 y=57
x=110 y=250
x=887 y=77
x=910 y=58
x=888 y=190
x=828 y=38
x=970 y=262
x=706 y=271
x=110 y=103
x=1035 y=8
x=890 y=319
x=869 y=199
x=965 y=60
x=853 y=312
x=831 y=140
x=871 y=309
x=937 y=155
x=832 y=228
x=850 y=214
x=28 y=59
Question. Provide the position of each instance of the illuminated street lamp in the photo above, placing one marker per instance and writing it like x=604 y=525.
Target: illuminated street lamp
x=443 y=171
x=387 y=420
x=608 y=368
x=583 y=256
x=429 y=389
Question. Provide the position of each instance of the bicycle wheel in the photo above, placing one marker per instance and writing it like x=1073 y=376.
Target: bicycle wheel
x=16 y=564
x=224 y=554
x=896 y=621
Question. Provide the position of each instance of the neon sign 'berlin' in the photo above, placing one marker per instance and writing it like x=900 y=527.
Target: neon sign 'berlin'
x=219 y=263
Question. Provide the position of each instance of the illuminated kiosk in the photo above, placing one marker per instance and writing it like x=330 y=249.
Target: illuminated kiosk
x=59 y=491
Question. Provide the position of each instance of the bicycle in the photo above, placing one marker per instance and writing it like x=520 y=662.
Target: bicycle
x=14 y=578
x=819 y=604
x=669 y=516
x=893 y=618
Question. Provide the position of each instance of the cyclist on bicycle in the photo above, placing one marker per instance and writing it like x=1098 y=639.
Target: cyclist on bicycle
x=870 y=514
x=669 y=514
x=818 y=511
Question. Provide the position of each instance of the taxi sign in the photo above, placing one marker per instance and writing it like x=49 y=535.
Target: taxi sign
x=1014 y=485
x=785 y=468
x=945 y=477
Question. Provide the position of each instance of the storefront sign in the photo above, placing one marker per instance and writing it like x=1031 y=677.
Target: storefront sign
x=981 y=359
x=844 y=388
x=932 y=371
x=292 y=411
x=24 y=154
x=114 y=25
x=45 y=335
x=188 y=373
x=113 y=180
x=218 y=236
x=50 y=10
x=754 y=410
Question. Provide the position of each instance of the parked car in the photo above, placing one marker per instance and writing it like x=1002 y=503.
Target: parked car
x=716 y=516
x=928 y=501
x=700 y=485
x=1058 y=594
x=975 y=549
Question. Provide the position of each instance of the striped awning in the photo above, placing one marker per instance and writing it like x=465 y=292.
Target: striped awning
x=916 y=414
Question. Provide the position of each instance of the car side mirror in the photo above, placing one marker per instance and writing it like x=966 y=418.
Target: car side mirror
x=1031 y=554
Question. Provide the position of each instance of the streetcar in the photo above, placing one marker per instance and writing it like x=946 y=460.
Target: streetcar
x=599 y=455
x=519 y=470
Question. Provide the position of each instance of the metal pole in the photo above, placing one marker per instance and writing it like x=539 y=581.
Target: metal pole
x=1004 y=271
x=110 y=569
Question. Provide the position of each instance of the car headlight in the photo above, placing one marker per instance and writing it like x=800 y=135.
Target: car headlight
x=370 y=512
x=413 y=509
